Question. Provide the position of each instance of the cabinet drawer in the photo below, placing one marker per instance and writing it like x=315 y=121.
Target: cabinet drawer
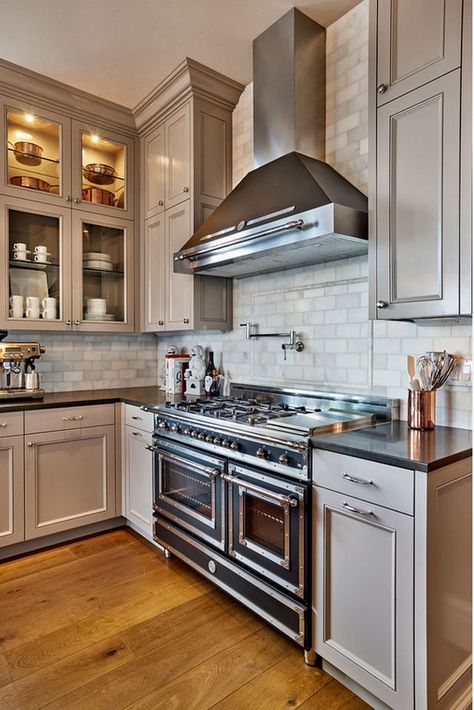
x=11 y=424
x=138 y=419
x=69 y=418
x=388 y=486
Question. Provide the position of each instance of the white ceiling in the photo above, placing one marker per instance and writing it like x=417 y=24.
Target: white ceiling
x=121 y=49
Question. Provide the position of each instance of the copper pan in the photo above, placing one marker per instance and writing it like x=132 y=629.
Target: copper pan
x=31 y=182
x=100 y=173
x=99 y=196
x=28 y=153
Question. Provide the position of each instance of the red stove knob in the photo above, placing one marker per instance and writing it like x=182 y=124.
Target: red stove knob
x=284 y=459
x=234 y=446
x=262 y=453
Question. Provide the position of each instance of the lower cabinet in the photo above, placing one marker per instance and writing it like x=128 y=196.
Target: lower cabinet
x=364 y=594
x=69 y=479
x=138 y=480
x=12 y=522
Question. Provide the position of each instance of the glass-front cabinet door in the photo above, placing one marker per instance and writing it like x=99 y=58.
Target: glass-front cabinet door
x=36 y=291
x=102 y=164
x=102 y=273
x=37 y=163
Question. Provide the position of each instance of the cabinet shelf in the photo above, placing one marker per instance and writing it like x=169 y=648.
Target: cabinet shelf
x=35 y=266
x=100 y=272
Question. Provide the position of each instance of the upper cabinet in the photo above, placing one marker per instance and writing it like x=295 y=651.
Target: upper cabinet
x=417 y=42
x=418 y=137
x=186 y=149
x=52 y=159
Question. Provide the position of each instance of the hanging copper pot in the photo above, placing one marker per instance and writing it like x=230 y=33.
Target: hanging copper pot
x=100 y=197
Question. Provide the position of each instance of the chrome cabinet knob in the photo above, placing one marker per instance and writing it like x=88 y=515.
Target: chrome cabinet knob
x=185 y=321
x=381 y=88
x=77 y=200
x=185 y=189
x=69 y=322
x=262 y=453
x=77 y=322
x=160 y=203
x=68 y=198
x=160 y=322
x=284 y=459
x=30 y=444
x=382 y=304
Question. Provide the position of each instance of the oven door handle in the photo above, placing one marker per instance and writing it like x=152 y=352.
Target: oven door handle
x=211 y=471
x=151 y=448
x=283 y=500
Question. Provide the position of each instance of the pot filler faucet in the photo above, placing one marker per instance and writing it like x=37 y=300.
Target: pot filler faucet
x=294 y=344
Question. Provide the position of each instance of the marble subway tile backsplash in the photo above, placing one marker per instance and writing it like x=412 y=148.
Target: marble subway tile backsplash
x=75 y=361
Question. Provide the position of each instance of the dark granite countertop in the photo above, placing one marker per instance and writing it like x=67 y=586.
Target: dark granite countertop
x=396 y=444
x=129 y=395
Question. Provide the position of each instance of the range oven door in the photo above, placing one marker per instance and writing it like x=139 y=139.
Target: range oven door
x=267 y=526
x=189 y=490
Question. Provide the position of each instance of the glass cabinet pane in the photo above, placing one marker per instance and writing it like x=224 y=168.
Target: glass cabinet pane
x=103 y=273
x=33 y=152
x=103 y=171
x=34 y=251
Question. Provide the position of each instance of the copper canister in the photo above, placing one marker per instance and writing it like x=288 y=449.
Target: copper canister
x=421 y=409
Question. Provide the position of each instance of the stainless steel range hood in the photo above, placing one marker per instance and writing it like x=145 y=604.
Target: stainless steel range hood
x=294 y=209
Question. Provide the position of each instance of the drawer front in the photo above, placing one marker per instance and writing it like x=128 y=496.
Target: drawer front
x=11 y=424
x=69 y=418
x=389 y=486
x=139 y=419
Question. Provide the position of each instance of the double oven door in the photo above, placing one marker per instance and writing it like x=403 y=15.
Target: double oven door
x=257 y=518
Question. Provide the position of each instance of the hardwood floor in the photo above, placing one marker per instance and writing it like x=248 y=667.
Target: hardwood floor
x=108 y=622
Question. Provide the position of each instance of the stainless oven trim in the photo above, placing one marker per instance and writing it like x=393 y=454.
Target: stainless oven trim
x=296 y=490
x=241 y=573
x=210 y=522
x=202 y=536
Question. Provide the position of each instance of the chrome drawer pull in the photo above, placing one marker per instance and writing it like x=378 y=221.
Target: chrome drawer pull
x=359 y=511
x=136 y=433
x=138 y=418
x=283 y=500
x=73 y=419
x=362 y=481
x=3 y=424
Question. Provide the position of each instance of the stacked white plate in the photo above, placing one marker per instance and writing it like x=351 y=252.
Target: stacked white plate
x=97 y=260
x=93 y=316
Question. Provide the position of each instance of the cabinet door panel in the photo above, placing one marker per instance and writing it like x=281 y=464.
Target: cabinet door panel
x=178 y=157
x=364 y=594
x=417 y=42
x=12 y=523
x=153 y=269
x=154 y=165
x=139 y=479
x=418 y=202
x=179 y=287
x=70 y=479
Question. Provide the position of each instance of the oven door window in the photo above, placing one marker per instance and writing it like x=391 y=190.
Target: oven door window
x=265 y=527
x=188 y=491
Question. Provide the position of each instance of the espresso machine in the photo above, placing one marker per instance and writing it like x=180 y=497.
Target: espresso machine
x=18 y=378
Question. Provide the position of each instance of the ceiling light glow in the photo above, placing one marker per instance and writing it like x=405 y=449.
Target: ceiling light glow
x=95 y=139
x=29 y=118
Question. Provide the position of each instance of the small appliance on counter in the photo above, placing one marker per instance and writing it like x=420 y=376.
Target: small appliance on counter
x=18 y=378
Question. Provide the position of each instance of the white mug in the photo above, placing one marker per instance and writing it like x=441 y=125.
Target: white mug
x=32 y=312
x=16 y=313
x=48 y=313
x=33 y=302
x=41 y=249
x=48 y=303
x=41 y=258
x=17 y=306
x=19 y=246
x=19 y=255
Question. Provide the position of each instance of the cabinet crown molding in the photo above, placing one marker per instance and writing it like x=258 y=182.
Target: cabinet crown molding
x=190 y=78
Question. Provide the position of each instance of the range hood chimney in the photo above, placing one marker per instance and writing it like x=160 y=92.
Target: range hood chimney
x=293 y=209
x=289 y=89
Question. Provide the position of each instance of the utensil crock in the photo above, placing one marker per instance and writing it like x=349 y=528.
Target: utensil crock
x=421 y=409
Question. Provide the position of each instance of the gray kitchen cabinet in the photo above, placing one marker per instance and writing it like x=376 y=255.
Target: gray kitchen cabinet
x=153 y=157
x=417 y=203
x=178 y=287
x=12 y=521
x=138 y=478
x=154 y=267
x=69 y=479
x=418 y=41
x=178 y=139
x=466 y=165
x=364 y=594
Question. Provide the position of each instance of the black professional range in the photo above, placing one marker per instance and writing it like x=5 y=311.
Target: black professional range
x=232 y=483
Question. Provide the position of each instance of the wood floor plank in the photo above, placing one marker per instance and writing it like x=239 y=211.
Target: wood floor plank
x=14 y=570
x=47 y=685
x=286 y=684
x=5 y=675
x=153 y=670
x=334 y=696
x=207 y=683
x=87 y=547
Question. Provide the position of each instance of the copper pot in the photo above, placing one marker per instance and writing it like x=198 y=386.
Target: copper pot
x=28 y=153
x=100 y=197
x=100 y=173
x=31 y=182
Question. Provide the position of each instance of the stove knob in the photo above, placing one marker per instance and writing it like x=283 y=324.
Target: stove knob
x=163 y=425
x=234 y=446
x=194 y=433
x=201 y=436
x=226 y=444
x=187 y=431
x=284 y=459
x=209 y=438
x=175 y=428
x=217 y=441
x=262 y=453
